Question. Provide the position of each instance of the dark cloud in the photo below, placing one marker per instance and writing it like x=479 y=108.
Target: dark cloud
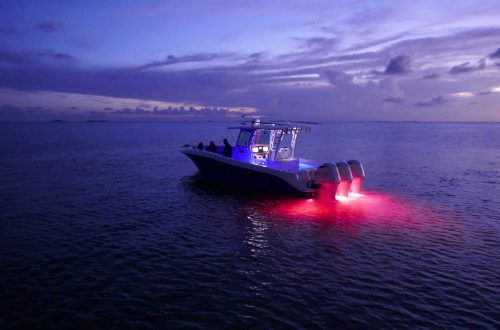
x=206 y=86
x=483 y=93
x=396 y=99
x=305 y=59
x=48 y=27
x=55 y=55
x=495 y=54
x=435 y=101
x=398 y=65
x=338 y=77
x=39 y=113
x=255 y=57
x=430 y=76
x=171 y=59
x=32 y=58
x=12 y=58
x=320 y=43
x=467 y=67
x=177 y=111
x=231 y=87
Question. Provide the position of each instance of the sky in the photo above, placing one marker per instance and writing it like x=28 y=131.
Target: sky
x=311 y=60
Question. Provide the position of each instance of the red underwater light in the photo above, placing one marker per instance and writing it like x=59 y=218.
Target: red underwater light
x=367 y=207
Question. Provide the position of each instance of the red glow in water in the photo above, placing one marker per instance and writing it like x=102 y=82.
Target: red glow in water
x=367 y=207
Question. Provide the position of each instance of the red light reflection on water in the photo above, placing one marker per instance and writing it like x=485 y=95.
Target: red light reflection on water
x=366 y=207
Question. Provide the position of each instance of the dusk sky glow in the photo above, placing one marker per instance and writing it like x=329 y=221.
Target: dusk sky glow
x=192 y=60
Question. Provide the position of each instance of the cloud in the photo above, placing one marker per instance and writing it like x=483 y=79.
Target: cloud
x=449 y=44
x=320 y=43
x=430 y=76
x=483 y=93
x=466 y=67
x=276 y=86
x=12 y=58
x=327 y=86
x=255 y=57
x=309 y=59
x=495 y=54
x=337 y=78
x=180 y=111
x=398 y=65
x=39 y=113
x=463 y=94
x=171 y=59
x=176 y=86
x=394 y=99
x=55 y=55
x=435 y=101
x=19 y=59
x=494 y=89
x=221 y=87
x=48 y=27
x=390 y=88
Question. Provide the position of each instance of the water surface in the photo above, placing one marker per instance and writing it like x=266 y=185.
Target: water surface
x=107 y=225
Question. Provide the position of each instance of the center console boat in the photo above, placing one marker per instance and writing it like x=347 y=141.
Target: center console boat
x=264 y=159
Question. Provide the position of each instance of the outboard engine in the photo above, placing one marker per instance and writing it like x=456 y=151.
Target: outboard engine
x=345 y=179
x=358 y=175
x=327 y=176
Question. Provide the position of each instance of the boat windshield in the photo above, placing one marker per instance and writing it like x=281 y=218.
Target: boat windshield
x=244 y=138
x=262 y=136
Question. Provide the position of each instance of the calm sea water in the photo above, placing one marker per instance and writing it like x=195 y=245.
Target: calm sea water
x=107 y=225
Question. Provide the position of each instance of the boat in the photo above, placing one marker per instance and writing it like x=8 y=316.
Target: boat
x=263 y=159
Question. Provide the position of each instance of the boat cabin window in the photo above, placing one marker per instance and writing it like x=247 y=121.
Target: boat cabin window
x=244 y=138
x=262 y=136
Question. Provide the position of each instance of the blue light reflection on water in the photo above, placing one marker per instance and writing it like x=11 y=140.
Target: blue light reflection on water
x=107 y=225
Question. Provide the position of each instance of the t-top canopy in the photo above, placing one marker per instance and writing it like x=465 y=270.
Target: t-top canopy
x=285 y=127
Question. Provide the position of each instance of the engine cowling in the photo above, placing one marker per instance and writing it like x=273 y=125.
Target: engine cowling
x=345 y=179
x=358 y=175
x=328 y=177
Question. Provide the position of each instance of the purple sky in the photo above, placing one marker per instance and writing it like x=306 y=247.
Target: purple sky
x=309 y=60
